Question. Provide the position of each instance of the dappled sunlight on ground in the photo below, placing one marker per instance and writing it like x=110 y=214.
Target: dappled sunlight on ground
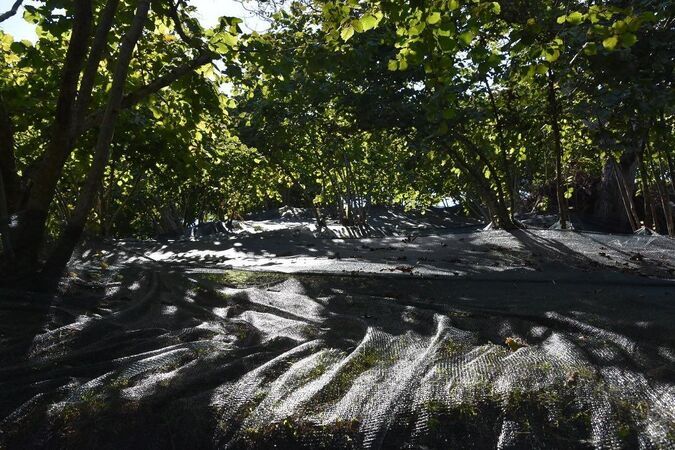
x=525 y=339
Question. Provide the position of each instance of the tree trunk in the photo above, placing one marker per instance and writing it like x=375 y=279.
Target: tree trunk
x=33 y=218
x=98 y=47
x=648 y=203
x=664 y=197
x=501 y=213
x=649 y=210
x=7 y=160
x=557 y=144
x=498 y=211
x=665 y=205
x=667 y=152
x=626 y=196
x=508 y=170
x=610 y=208
x=73 y=231
x=7 y=249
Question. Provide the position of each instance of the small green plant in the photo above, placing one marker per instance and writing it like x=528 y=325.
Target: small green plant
x=241 y=278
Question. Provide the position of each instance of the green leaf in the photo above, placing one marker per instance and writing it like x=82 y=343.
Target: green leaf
x=229 y=39
x=569 y=192
x=610 y=42
x=433 y=18
x=369 y=22
x=562 y=19
x=628 y=39
x=551 y=55
x=496 y=8
x=590 y=49
x=575 y=18
x=392 y=65
x=453 y=5
x=17 y=47
x=467 y=37
x=30 y=15
x=347 y=33
x=449 y=114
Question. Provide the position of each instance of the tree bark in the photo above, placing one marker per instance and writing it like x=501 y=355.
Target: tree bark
x=662 y=190
x=648 y=200
x=499 y=206
x=557 y=144
x=98 y=47
x=498 y=210
x=73 y=231
x=648 y=204
x=508 y=170
x=625 y=194
x=32 y=220
x=8 y=170
x=664 y=197
x=7 y=249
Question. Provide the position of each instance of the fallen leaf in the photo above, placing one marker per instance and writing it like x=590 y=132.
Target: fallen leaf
x=515 y=343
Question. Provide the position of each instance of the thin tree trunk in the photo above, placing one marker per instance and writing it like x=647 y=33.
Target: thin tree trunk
x=648 y=203
x=665 y=205
x=91 y=69
x=667 y=153
x=73 y=231
x=625 y=196
x=33 y=219
x=110 y=222
x=7 y=160
x=510 y=176
x=497 y=210
x=629 y=196
x=650 y=214
x=7 y=249
x=499 y=206
x=560 y=196
x=664 y=198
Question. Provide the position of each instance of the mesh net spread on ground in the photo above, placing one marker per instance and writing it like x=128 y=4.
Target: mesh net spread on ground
x=165 y=356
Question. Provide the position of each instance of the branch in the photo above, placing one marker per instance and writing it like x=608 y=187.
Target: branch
x=59 y=146
x=8 y=170
x=173 y=13
x=160 y=83
x=91 y=69
x=11 y=11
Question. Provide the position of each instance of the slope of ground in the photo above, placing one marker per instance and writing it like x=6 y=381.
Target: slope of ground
x=466 y=340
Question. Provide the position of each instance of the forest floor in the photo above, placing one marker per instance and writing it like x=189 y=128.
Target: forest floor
x=409 y=333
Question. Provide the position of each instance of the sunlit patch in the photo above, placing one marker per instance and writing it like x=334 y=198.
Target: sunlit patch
x=220 y=312
x=113 y=290
x=169 y=309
